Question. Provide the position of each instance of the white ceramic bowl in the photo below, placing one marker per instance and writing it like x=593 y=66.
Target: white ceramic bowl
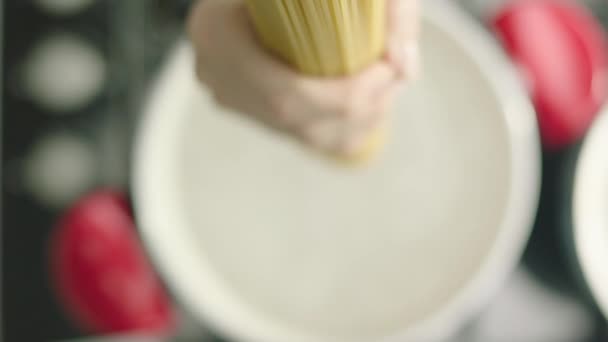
x=443 y=214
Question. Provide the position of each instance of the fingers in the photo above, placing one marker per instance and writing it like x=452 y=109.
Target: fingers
x=402 y=40
x=386 y=100
x=344 y=135
x=368 y=133
x=346 y=98
x=375 y=79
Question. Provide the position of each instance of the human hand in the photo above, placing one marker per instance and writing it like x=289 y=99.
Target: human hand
x=335 y=115
x=403 y=33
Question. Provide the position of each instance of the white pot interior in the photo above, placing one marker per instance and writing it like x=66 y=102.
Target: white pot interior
x=266 y=241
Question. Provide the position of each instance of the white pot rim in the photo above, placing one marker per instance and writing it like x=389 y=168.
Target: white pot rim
x=590 y=211
x=157 y=212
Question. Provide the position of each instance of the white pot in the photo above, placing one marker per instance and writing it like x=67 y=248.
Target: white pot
x=452 y=201
x=589 y=213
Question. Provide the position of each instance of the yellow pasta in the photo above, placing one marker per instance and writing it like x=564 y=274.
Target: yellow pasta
x=325 y=38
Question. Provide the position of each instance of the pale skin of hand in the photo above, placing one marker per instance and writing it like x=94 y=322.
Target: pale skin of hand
x=334 y=115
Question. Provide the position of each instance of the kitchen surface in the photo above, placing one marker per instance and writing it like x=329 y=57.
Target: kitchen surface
x=77 y=75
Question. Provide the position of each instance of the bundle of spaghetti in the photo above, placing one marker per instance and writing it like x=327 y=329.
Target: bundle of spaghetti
x=325 y=38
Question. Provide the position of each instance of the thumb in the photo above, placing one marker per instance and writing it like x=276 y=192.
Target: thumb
x=402 y=37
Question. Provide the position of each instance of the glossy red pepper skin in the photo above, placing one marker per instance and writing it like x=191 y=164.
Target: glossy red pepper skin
x=101 y=273
x=561 y=49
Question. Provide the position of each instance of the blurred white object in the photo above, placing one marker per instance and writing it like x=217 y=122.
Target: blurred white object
x=268 y=243
x=64 y=7
x=59 y=168
x=590 y=211
x=63 y=73
x=528 y=311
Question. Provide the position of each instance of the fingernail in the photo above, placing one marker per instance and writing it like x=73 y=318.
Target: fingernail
x=411 y=58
